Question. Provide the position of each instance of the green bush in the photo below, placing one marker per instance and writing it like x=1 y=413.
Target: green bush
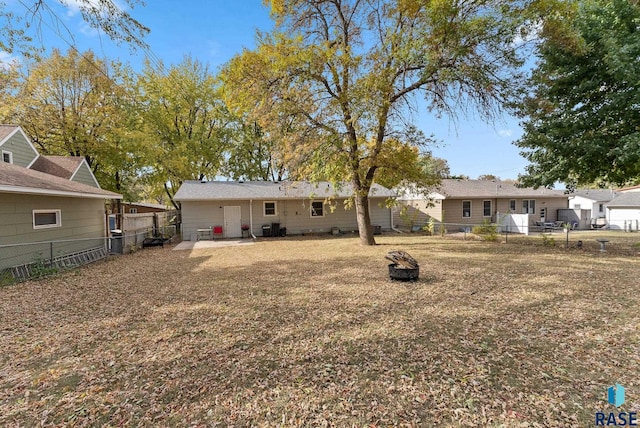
x=488 y=231
x=429 y=227
x=547 y=240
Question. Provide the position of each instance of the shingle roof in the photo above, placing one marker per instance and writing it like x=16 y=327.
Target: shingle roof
x=456 y=189
x=6 y=130
x=15 y=179
x=225 y=190
x=598 y=195
x=60 y=166
x=625 y=200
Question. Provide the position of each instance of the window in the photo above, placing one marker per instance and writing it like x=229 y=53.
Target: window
x=7 y=157
x=269 y=209
x=512 y=205
x=43 y=219
x=576 y=206
x=317 y=209
x=466 y=208
x=601 y=208
x=486 y=208
x=528 y=206
x=133 y=211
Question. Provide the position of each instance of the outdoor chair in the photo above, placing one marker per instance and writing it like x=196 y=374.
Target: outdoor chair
x=217 y=232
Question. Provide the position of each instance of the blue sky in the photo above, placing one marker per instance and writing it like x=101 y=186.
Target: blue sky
x=213 y=31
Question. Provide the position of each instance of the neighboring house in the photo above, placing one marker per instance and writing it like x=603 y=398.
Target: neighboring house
x=274 y=207
x=624 y=210
x=46 y=198
x=587 y=207
x=143 y=207
x=461 y=203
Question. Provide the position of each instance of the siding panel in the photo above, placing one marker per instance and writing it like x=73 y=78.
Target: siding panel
x=81 y=219
x=292 y=214
x=453 y=209
x=23 y=153
x=84 y=176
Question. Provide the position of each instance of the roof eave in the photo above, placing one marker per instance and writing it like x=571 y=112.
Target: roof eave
x=48 y=192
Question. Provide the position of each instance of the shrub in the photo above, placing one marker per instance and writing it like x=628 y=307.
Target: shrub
x=429 y=227
x=547 y=240
x=488 y=231
x=408 y=216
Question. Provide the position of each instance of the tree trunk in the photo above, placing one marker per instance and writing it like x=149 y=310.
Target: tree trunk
x=365 y=229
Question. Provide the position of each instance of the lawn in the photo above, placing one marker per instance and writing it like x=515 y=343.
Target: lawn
x=310 y=332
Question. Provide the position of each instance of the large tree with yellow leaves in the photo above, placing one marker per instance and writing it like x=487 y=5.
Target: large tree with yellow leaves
x=350 y=71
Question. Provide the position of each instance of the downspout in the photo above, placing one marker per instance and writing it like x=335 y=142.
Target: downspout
x=393 y=228
x=251 y=218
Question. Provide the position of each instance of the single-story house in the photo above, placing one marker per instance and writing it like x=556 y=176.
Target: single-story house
x=462 y=203
x=587 y=207
x=225 y=208
x=46 y=198
x=623 y=212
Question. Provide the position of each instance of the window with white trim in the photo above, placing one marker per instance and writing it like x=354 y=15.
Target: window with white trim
x=269 y=209
x=44 y=219
x=317 y=209
x=528 y=206
x=486 y=208
x=601 y=208
x=7 y=156
x=133 y=211
x=466 y=209
x=512 y=205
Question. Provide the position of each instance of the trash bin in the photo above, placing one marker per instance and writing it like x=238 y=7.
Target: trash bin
x=275 y=229
x=377 y=229
x=266 y=230
x=283 y=231
x=116 y=241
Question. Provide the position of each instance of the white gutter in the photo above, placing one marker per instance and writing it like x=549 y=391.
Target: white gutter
x=393 y=228
x=251 y=218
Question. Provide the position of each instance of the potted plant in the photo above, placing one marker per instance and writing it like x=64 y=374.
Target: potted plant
x=245 y=230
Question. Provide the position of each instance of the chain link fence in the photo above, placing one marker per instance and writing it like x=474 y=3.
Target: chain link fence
x=20 y=262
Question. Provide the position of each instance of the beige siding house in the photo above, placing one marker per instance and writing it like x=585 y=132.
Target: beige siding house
x=273 y=207
x=462 y=203
x=46 y=199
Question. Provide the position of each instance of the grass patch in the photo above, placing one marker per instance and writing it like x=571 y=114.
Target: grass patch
x=304 y=332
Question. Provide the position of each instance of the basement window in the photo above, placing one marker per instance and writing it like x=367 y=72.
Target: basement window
x=44 y=219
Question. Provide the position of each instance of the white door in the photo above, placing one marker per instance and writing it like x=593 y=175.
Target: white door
x=232 y=222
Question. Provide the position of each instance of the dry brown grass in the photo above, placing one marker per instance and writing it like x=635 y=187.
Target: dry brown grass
x=310 y=332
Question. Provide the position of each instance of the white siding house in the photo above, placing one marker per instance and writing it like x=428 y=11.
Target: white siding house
x=590 y=205
x=624 y=211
